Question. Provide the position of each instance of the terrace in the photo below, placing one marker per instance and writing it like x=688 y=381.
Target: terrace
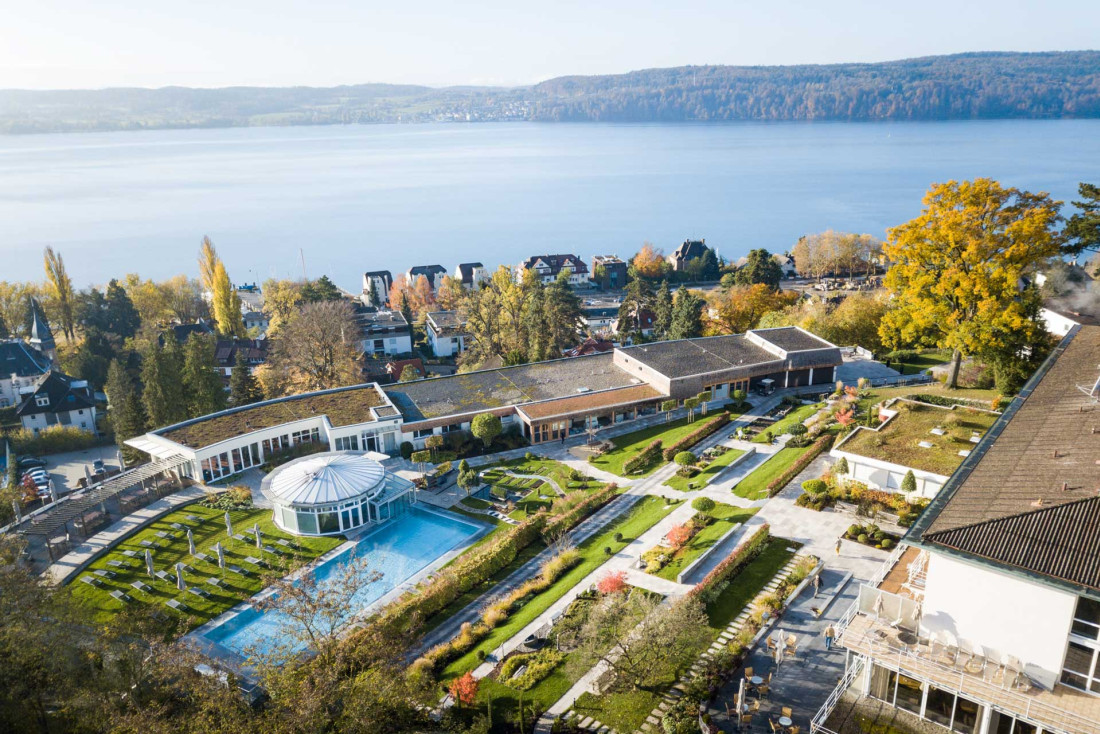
x=922 y=436
x=343 y=406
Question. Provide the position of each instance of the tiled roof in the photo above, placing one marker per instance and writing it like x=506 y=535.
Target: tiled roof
x=64 y=394
x=21 y=359
x=1041 y=454
x=556 y=263
x=1062 y=542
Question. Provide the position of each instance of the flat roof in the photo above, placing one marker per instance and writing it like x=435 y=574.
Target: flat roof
x=590 y=401
x=343 y=406
x=498 y=388
x=1046 y=439
x=688 y=357
x=899 y=440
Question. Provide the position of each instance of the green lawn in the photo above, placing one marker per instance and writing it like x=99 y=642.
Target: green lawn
x=644 y=515
x=921 y=362
x=879 y=394
x=235 y=589
x=706 y=476
x=555 y=470
x=475 y=503
x=631 y=444
x=725 y=517
x=784 y=424
x=627 y=711
x=755 y=485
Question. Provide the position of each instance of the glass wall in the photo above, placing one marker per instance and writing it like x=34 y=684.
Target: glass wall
x=957 y=713
x=1081 y=669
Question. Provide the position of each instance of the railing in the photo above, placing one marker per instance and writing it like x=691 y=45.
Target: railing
x=888 y=565
x=966 y=684
x=817 y=723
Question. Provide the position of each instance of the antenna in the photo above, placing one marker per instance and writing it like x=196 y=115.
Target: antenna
x=302 y=255
x=1094 y=392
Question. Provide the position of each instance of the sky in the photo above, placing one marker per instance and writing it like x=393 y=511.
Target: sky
x=65 y=44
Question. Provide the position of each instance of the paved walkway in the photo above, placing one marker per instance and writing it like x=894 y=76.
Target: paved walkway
x=79 y=558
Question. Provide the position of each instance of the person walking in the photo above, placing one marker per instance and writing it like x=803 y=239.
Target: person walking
x=830 y=635
x=838 y=542
x=817 y=584
x=563 y=438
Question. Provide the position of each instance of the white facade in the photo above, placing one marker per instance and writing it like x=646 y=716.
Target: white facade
x=388 y=344
x=376 y=288
x=886 y=476
x=577 y=271
x=82 y=418
x=1057 y=324
x=11 y=387
x=478 y=274
x=446 y=346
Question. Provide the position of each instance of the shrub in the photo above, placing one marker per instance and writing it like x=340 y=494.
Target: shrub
x=909 y=483
x=407 y=450
x=886 y=543
x=613 y=582
x=641 y=461
x=862 y=538
x=585 y=507
x=685 y=459
x=234 y=498
x=679 y=535
x=815 y=486
x=841 y=466
x=618 y=537
x=696 y=436
x=733 y=563
x=702 y=504
x=51 y=440
x=797 y=429
x=796 y=468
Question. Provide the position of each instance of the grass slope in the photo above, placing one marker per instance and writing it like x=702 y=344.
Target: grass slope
x=631 y=444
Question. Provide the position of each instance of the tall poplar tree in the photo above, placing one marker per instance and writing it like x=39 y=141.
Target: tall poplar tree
x=61 y=289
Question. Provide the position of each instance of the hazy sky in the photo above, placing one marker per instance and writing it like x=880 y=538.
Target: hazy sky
x=212 y=43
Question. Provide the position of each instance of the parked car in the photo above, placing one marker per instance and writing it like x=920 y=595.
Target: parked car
x=30 y=462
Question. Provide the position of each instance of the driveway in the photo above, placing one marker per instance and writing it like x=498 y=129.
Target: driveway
x=68 y=468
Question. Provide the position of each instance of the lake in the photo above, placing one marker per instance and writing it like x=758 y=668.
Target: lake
x=360 y=198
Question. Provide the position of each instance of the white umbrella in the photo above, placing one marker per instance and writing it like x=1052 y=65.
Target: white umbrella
x=53 y=490
x=877 y=608
x=87 y=476
x=149 y=561
x=228 y=524
x=740 y=697
x=190 y=542
x=121 y=463
x=256 y=532
x=180 y=583
x=779 y=653
x=221 y=554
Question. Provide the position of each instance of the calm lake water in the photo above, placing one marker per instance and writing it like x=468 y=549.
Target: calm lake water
x=392 y=196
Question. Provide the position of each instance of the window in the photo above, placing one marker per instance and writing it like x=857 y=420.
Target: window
x=1082 y=665
x=424 y=433
x=453 y=427
x=347 y=443
x=41 y=400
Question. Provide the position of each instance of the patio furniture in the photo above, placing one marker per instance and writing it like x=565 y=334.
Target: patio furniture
x=786 y=712
x=120 y=595
x=763 y=691
x=748 y=673
x=776 y=728
x=771 y=644
x=794 y=730
x=745 y=722
x=948 y=653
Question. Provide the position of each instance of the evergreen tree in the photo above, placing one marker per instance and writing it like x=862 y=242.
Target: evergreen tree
x=121 y=317
x=709 y=269
x=321 y=289
x=244 y=389
x=162 y=396
x=662 y=310
x=687 y=316
x=202 y=385
x=91 y=311
x=125 y=410
x=535 y=318
x=4 y=333
x=760 y=267
x=406 y=308
x=637 y=298
x=563 y=316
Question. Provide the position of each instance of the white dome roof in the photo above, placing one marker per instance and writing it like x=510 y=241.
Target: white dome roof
x=322 y=480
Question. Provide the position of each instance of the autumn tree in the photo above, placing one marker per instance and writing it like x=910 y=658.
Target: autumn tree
x=450 y=293
x=649 y=262
x=208 y=261
x=227 y=304
x=409 y=373
x=13 y=303
x=956 y=267
x=318 y=349
x=612 y=582
x=740 y=308
x=61 y=292
x=464 y=689
x=244 y=388
x=202 y=385
x=281 y=301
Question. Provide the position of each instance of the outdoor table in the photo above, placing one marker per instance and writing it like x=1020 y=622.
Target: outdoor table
x=784 y=721
x=908 y=639
x=756 y=680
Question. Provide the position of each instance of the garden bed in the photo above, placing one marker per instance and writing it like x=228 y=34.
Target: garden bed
x=631 y=444
x=709 y=470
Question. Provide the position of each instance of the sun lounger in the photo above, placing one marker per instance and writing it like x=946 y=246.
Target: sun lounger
x=140 y=586
x=175 y=604
x=120 y=595
x=104 y=573
x=91 y=580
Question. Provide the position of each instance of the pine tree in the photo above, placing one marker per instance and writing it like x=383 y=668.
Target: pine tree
x=121 y=317
x=563 y=316
x=662 y=310
x=687 y=316
x=244 y=389
x=202 y=385
x=162 y=396
x=125 y=411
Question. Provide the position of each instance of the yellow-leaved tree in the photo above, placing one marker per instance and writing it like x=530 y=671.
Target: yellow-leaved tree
x=956 y=268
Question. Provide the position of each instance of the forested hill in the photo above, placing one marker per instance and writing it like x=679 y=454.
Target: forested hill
x=964 y=86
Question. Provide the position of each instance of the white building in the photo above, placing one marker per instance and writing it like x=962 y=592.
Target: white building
x=384 y=333
x=938 y=450
x=446 y=333
x=434 y=274
x=471 y=274
x=21 y=365
x=548 y=267
x=57 y=400
x=376 y=288
x=989 y=621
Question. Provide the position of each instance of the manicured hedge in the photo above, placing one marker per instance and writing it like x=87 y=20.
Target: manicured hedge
x=696 y=436
x=566 y=520
x=733 y=563
x=644 y=459
x=781 y=481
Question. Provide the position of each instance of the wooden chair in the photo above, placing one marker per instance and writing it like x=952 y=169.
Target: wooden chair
x=794 y=729
x=768 y=678
x=748 y=673
x=786 y=711
x=745 y=722
x=762 y=691
x=755 y=708
x=771 y=645
x=776 y=728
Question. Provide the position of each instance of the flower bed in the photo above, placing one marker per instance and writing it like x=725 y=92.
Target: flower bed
x=871 y=535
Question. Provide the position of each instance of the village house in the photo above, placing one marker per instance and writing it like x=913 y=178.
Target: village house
x=613 y=269
x=396 y=368
x=549 y=266
x=685 y=253
x=433 y=273
x=226 y=351
x=471 y=274
x=447 y=333
x=56 y=399
x=256 y=320
x=384 y=332
x=589 y=346
x=21 y=365
x=376 y=288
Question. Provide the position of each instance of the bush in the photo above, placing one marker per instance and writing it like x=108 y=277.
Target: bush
x=734 y=562
x=909 y=483
x=815 y=486
x=685 y=459
x=862 y=538
x=51 y=440
x=702 y=504
x=886 y=543
x=588 y=504
x=842 y=465
x=407 y=450
x=234 y=498
x=642 y=461
x=696 y=436
x=796 y=468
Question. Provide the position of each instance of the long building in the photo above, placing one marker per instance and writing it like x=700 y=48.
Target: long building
x=989 y=620
x=545 y=400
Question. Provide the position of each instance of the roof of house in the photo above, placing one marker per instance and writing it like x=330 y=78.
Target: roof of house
x=344 y=407
x=497 y=388
x=1039 y=455
x=696 y=356
x=396 y=367
x=446 y=322
x=21 y=359
x=690 y=250
x=183 y=332
x=378 y=274
x=607 y=260
x=371 y=320
x=590 y=401
x=40 y=327
x=792 y=339
x=556 y=263
x=225 y=351
x=466 y=271
x=591 y=345
x=65 y=393
x=428 y=271
x=255 y=316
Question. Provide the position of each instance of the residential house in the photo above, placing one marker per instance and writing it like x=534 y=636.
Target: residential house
x=183 y=332
x=433 y=273
x=589 y=346
x=57 y=399
x=549 y=266
x=614 y=272
x=646 y=321
x=226 y=351
x=384 y=332
x=685 y=253
x=252 y=298
x=376 y=288
x=396 y=368
x=21 y=365
x=257 y=320
x=471 y=274
x=987 y=619
x=786 y=265
x=447 y=333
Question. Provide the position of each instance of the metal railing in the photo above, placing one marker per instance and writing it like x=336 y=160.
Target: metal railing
x=817 y=723
x=960 y=682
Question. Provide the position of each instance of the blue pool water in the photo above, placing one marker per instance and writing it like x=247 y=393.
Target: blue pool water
x=398 y=550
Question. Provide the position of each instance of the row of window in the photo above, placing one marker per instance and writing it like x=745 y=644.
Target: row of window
x=554 y=430
x=1081 y=668
x=237 y=460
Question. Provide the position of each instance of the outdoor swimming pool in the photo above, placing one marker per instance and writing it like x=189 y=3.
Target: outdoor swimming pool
x=399 y=549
